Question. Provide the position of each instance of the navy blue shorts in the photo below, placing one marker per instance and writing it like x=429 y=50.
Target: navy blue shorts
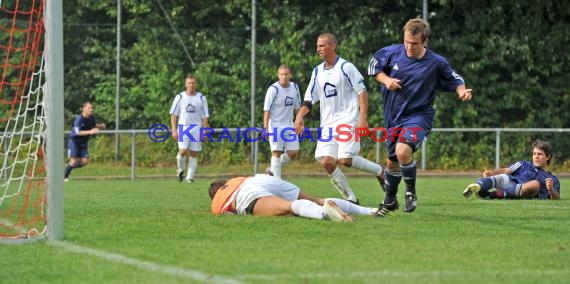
x=76 y=151
x=414 y=131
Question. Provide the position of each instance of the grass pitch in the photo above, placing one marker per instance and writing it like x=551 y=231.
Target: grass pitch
x=161 y=231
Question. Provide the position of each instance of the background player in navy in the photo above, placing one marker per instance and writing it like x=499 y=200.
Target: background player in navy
x=83 y=127
x=521 y=180
x=409 y=74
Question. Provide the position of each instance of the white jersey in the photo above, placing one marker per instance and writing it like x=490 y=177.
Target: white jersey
x=337 y=90
x=190 y=109
x=281 y=102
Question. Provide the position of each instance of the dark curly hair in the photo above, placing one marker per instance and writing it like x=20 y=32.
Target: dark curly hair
x=544 y=146
x=214 y=186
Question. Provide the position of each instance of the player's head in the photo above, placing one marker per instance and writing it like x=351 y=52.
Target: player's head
x=191 y=83
x=326 y=46
x=214 y=186
x=284 y=74
x=87 y=109
x=416 y=33
x=541 y=153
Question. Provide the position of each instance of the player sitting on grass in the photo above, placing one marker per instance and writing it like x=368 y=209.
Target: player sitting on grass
x=522 y=180
x=266 y=195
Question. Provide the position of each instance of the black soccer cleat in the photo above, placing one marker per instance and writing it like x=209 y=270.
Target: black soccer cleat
x=384 y=209
x=180 y=175
x=410 y=202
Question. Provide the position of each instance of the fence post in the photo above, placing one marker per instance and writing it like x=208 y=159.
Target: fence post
x=133 y=155
x=497 y=148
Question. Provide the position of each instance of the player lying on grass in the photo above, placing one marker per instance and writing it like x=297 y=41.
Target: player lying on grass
x=521 y=180
x=265 y=195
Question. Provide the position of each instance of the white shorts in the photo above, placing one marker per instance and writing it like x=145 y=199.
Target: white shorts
x=191 y=144
x=263 y=185
x=283 y=140
x=331 y=147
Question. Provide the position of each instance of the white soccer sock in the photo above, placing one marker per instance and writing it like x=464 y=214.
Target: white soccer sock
x=276 y=166
x=180 y=161
x=340 y=182
x=285 y=159
x=365 y=165
x=192 y=164
x=501 y=180
x=308 y=209
x=351 y=208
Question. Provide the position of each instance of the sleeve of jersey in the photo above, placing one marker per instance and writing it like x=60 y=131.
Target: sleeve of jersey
x=175 y=108
x=516 y=167
x=205 y=112
x=449 y=80
x=378 y=61
x=269 y=97
x=311 y=94
x=356 y=78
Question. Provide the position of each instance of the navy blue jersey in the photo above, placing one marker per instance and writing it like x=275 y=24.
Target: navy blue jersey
x=80 y=124
x=524 y=171
x=420 y=78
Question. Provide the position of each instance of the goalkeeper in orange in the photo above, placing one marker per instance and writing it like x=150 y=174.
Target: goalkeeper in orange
x=266 y=195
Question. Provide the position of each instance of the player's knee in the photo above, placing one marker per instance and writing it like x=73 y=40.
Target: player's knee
x=293 y=154
x=528 y=193
x=347 y=162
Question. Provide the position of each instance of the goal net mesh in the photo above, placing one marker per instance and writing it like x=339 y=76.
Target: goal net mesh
x=22 y=120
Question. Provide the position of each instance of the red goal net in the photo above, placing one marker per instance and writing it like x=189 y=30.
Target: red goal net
x=22 y=120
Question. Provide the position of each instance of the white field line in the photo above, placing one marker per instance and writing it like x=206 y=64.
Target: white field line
x=146 y=265
x=395 y=273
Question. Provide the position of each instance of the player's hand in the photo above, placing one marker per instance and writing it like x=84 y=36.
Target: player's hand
x=487 y=173
x=549 y=184
x=299 y=126
x=102 y=126
x=94 y=130
x=175 y=135
x=393 y=84
x=465 y=95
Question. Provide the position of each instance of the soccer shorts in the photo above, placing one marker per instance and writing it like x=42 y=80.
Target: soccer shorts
x=262 y=185
x=284 y=139
x=192 y=143
x=76 y=151
x=412 y=132
x=338 y=146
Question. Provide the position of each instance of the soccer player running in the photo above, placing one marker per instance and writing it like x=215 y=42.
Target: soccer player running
x=409 y=74
x=265 y=195
x=339 y=87
x=189 y=111
x=521 y=180
x=83 y=127
x=282 y=99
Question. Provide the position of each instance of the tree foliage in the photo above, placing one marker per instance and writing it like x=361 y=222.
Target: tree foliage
x=512 y=53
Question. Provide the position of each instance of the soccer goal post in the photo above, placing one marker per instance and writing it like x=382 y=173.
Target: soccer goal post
x=31 y=120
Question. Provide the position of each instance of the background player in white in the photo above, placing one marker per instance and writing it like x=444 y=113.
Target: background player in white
x=189 y=108
x=340 y=89
x=281 y=101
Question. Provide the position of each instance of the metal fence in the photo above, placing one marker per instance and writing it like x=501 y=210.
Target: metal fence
x=378 y=146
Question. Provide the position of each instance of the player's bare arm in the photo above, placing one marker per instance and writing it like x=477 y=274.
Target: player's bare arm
x=174 y=127
x=101 y=125
x=497 y=171
x=299 y=119
x=464 y=93
x=391 y=83
x=550 y=187
x=363 y=106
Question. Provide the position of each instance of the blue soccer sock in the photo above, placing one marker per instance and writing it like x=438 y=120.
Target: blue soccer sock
x=392 y=181
x=409 y=175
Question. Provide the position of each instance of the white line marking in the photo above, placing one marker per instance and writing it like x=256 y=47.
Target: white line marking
x=147 y=265
x=396 y=273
